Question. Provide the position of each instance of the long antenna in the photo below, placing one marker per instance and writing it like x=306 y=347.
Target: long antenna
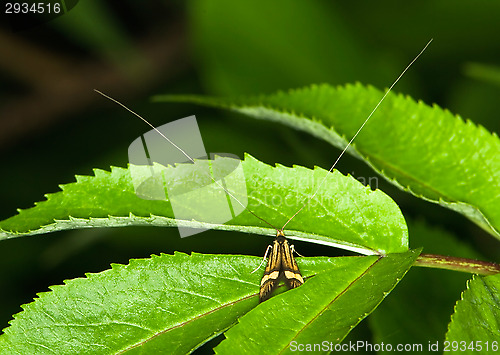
x=183 y=152
x=326 y=175
x=359 y=130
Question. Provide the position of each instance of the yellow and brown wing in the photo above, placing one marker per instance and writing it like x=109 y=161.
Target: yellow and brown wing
x=289 y=267
x=272 y=273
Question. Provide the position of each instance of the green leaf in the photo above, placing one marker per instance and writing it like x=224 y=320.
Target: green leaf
x=419 y=309
x=325 y=308
x=424 y=150
x=343 y=213
x=477 y=314
x=168 y=304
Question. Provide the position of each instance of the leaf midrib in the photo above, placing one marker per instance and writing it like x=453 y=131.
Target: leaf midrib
x=186 y=322
x=332 y=301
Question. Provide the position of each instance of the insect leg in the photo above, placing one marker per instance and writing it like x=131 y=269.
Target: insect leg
x=263 y=259
x=292 y=248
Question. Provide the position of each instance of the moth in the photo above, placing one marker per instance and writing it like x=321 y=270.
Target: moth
x=281 y=265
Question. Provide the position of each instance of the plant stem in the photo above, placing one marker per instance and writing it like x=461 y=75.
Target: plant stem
x=457 y=264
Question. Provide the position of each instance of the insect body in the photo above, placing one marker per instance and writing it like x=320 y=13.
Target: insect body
x=281 y=265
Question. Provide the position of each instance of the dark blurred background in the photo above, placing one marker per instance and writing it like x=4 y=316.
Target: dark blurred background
x=53 y=126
